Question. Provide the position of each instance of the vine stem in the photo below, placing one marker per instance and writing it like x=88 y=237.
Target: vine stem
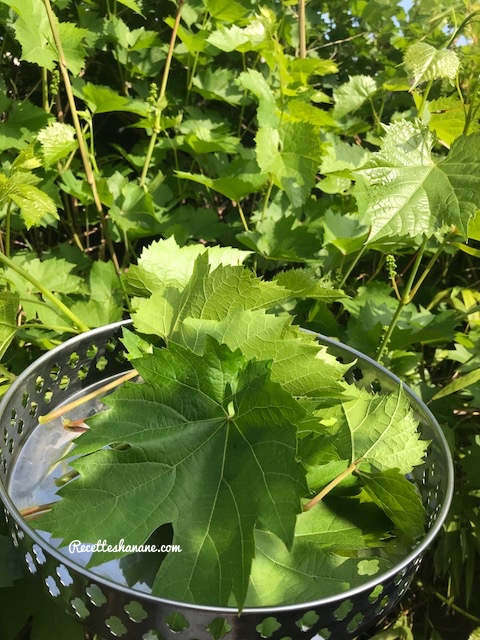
x=404 y=300
x=302 y=29
x=78 y=129
x=450 y=604
x=158 y=106
x=90 y=396
x=242 y=216
x=46 y=292
x=332 y=485
x=353 y=265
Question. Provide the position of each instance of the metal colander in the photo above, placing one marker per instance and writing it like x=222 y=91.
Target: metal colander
x=111 y=609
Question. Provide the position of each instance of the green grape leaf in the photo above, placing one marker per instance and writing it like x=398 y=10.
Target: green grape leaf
x=290 y=153
x=407 y=190
x=72 y=38
x=283 y=576
x=351 y=95
x=423 y=63
x=253 y=81
x=215 y=417
x=298 y=362
x=282 y=237
x=101 y=99
x=133 y=5
x=32 y=30
x=304 y=284
x=24 y=120
x=233 y=187
x=379 y=430
x=208 y=296
x=398 y=498
x=446 y=116
x=227 y=10
x=57 y=140
x=165 y=264
x=8 y=321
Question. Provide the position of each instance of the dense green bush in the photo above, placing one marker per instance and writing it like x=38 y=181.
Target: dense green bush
x=346 y=145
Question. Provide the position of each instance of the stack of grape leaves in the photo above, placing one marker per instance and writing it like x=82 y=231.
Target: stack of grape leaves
x=239 y=421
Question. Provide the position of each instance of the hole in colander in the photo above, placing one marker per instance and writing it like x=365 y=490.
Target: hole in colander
x=25 y=399
x=375 y=594
x=355 y=622
x=116 y=626
x=65 y=577
x=39 y=382
x=30 y=563
x=13 y=417
x=177 y=622
x=101 y=363
x=54 y=371
x=52 y=586
x=323 y=634
x=64 y=383
x=307 y=621
x=82 y=372
x=39 y=555
x=135 y=611
x=268 y=627
x=20 y=427
x=343 y=610
x=92 y=351
x=11 y=445
x=95 y=595
x=152 y=635
x=219 y=628
x=47 y=398
x=73 y=360
x=33 y=409
x=80 y=608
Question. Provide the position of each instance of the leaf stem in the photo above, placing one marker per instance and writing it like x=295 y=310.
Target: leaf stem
x=302 y=29
x=242 y=216
x=90 y=396
x=161 y=96
x=449 y=603
x=429 y=266
x=404 y=300
x=35 y=511
x=267 y=197
x=78 y=129
x=352 y=266
x=331 y=485
x=45 y=100
x=424 y=99
x=46 y=292
x=8 y=228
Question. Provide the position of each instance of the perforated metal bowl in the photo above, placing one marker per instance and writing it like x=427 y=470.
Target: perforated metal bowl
x=115 y=611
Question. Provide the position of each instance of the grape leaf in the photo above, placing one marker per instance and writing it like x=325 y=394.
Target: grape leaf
x=423 y=62
x=408 y=191
x=304 y=284
x=32 y=30
x=398 y=498
x=351 y=95
x=291 y=153
x=233 y=187
x=298 y=363
x=253 y=81
x=163 y=263
x=133 y=5
x=8 y=321
x=36 y=207
x=216 y=418
x=282 y=576
x=380 y=430
x=57 y=141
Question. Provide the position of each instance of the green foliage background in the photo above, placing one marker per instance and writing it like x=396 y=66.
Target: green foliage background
x=360 y=163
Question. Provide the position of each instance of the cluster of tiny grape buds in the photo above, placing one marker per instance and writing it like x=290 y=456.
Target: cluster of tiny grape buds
x=391 y=264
